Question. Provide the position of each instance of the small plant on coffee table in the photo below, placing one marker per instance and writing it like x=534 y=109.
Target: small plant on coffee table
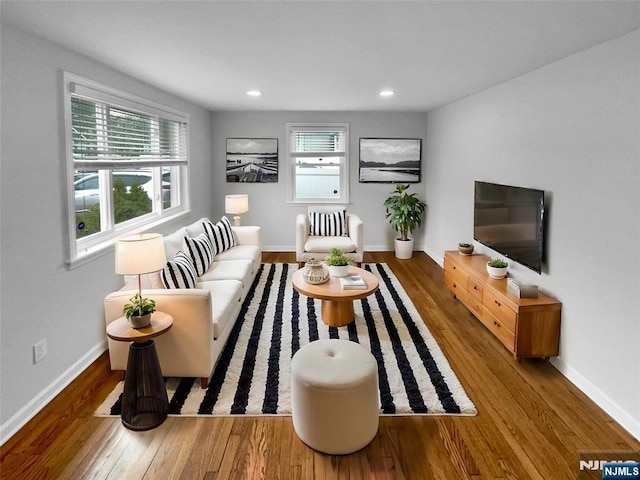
x=337 y=258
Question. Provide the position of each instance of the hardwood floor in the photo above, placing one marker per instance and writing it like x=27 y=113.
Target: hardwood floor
x=531 y=423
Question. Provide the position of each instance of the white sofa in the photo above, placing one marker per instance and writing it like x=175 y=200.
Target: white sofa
x=203 y=316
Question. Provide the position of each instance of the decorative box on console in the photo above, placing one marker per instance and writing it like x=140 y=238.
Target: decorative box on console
x=522 y=290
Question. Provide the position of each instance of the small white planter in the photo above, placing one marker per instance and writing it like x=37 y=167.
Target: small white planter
x=495 y=272
x=403 y=248
x=339 y=271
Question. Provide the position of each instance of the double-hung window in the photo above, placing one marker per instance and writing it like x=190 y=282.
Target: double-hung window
x=318 y=163
x=127 y=164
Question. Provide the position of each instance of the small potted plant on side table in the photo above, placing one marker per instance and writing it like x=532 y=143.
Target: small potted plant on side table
x=338 y=263
x=497 y=268
x=139 y=311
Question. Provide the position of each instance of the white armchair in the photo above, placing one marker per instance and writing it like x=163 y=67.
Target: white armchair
x=318 y=246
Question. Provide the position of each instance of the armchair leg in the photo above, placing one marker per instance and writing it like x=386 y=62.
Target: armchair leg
x=359 y=264
x=300 y=264
x=204 y=382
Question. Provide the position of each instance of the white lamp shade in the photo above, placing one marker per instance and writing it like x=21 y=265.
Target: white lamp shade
x=236 y=204
x=140 y=253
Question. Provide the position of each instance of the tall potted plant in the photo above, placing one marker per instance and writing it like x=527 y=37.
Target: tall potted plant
x=404 y=212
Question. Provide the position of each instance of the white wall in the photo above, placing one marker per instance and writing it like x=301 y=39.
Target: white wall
x=572 y=129
x=267 y=202
x=40 y=297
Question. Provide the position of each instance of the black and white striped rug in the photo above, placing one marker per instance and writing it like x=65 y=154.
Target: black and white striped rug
x=252 y=376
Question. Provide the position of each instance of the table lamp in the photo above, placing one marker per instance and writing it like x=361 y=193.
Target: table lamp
x=235 y=205
x=138 y=254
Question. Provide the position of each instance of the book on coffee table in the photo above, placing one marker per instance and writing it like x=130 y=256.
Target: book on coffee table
x=352 y=281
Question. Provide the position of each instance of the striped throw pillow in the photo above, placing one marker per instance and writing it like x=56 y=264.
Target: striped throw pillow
x=201 y=252
x=179 y=272
x=328 y=224
x=220 y=234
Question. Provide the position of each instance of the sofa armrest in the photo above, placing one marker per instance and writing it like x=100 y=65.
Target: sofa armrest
x=247 y=235
x=191 y=306
x=187 y=349
x=356 y=234
x=302 y=233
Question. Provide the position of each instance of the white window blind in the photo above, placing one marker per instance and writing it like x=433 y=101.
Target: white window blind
x=111 y=136
x=318 y=142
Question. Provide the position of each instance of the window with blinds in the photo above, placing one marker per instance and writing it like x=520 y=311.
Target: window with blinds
x=318 y=158
x=126 y=156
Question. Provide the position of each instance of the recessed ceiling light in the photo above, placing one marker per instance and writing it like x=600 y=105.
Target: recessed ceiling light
x=386 y=93
x=254 y=93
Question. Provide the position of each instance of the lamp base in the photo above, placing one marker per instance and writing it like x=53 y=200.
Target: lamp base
x=236 y=220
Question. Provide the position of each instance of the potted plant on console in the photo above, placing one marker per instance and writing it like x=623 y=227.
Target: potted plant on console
x=465 y=248
x=497 y=268
x=404 y=212
x=338 y=263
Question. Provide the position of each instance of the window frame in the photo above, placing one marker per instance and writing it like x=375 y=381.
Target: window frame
x=291 y=163
x=81 y=250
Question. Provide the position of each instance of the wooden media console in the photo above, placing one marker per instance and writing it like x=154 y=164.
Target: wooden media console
x=528 y=327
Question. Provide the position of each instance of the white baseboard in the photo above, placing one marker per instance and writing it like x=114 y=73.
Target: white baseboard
x=624 y=418
x=26 y=413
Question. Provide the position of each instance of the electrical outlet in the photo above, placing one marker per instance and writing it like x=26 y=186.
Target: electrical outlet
x=39 y=350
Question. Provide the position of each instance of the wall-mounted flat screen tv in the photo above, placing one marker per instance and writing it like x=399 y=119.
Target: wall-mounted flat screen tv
x=510 y=220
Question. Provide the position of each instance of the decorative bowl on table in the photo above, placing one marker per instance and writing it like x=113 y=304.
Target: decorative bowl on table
x=315 y=272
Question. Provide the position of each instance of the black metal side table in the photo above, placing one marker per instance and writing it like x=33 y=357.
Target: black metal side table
x=145 y=404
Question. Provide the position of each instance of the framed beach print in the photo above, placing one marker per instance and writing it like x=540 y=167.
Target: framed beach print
x=390 y=160
x=252 y=160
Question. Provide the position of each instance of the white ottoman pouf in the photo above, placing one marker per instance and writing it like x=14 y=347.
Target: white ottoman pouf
x=334 y=396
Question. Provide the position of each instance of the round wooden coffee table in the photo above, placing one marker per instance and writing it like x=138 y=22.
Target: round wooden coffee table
x=337 y=303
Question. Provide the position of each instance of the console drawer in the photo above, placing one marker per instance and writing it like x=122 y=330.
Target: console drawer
x=503 y=314
x=475 y=289
x=506 y=336
x=453 y=284
x=461 y=278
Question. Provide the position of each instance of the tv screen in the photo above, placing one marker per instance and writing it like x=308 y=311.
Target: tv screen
x=510 y=220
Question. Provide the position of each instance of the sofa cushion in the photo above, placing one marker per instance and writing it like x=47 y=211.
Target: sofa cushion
x=201 y=252
x=179 y=272
x=328 y=224
x=241 y=252
x=220 y=234
x=325 y=244
x=225 y=296
x=196 y=228
x=173 y=242
x=241 y=270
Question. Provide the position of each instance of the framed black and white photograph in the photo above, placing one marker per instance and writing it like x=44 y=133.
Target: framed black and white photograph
x=252 y=160
x=390 y=160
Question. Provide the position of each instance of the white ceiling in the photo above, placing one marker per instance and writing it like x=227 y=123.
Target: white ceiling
x=324 y=55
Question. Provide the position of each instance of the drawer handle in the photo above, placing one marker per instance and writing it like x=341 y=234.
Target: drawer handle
x=455 y=286
x=454 y=268
x=475 y=287
x=496 y=324
x=497 y=303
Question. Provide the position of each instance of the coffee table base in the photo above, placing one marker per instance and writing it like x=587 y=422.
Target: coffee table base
x=337 y=313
